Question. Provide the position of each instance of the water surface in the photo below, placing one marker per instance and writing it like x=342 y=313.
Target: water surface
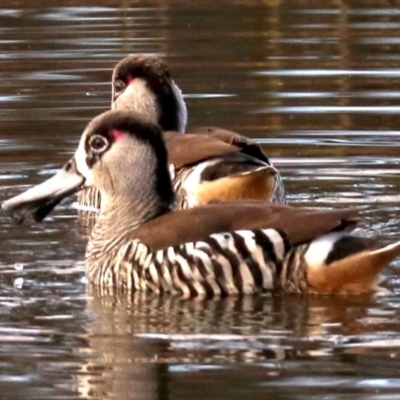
x=316 y=84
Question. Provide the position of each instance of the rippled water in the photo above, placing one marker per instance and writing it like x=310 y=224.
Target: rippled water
x=315 y=82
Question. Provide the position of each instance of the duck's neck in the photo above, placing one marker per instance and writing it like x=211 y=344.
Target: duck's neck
x=136 y=189
x=121 y=216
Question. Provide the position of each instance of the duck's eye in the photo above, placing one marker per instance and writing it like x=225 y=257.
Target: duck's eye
x=98 y=143
x=118 y=85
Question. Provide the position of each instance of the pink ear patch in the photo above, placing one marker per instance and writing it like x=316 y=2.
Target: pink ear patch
x=117 y=135
x=131 y=79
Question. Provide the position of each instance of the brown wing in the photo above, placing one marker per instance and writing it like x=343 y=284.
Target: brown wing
x=246 y=145
x=187 y=149
x=300 y=224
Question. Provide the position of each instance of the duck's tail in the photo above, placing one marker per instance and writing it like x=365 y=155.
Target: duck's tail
x=343 y=263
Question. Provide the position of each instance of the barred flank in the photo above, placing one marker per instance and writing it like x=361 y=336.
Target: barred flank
x=222 y=264
x=293 y=277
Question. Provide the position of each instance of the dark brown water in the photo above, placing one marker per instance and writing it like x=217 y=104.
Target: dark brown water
x=316 y=82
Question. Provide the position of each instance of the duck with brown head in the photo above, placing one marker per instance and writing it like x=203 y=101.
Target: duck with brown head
x=144 y=84
x=207 y=165
x=139 y=242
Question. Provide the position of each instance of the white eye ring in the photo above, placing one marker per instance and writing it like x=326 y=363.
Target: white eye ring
x=98 y=143
x=119 y=85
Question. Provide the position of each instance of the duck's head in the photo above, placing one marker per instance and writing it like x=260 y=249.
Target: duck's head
x=144 y=84
x=121 y=154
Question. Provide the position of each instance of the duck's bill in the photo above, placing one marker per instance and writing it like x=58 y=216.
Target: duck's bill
x=40 y=200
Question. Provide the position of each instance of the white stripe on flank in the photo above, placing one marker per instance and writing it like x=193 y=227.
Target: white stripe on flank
x=277 y=242
x=142 y=253
x=207 y=264
x=154 y=274
x=191 y=275
x=245 y=274
x=320 y=248
x=257 y=255
x=136 y=279
x=171 y=255
x=137 y=253
x=165 y=273
x=127 y=266
x=148 y=260
x=225 y=264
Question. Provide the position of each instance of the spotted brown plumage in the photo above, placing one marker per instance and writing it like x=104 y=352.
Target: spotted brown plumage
x=208 y=164
x=140 y=242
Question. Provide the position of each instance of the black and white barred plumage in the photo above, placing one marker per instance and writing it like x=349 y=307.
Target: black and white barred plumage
x=239 y=262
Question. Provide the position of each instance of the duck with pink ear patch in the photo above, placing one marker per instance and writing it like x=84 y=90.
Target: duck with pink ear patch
x=141 y=243
x=207 y=164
